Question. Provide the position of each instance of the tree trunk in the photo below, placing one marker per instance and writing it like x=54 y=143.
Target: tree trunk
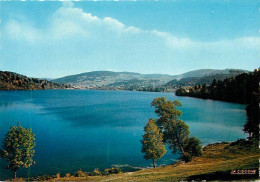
x=15 y=173
x=154 y=165
x=182 y=151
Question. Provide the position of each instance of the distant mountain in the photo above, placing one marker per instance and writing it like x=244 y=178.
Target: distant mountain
x=137 y=81
x=192 y=81
x=97 y=79
x=209 y=72
x=14 y=81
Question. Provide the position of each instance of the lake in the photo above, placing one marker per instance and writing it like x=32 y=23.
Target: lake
x=88 y=129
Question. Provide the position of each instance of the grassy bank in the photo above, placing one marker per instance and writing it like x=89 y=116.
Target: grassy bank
x=216 y=163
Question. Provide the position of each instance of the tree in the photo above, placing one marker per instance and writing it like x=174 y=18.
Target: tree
x=253 y=110
x=193 y=148
x=252 y=124
x=175 y=131
x=181 y=91
x=153 y=146
x=18 y=148
x=166 y=110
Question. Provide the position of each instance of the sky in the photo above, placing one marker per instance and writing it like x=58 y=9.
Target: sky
x=52 y=39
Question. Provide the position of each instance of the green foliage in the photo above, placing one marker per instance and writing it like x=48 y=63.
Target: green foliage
x=153 y=146
x=113 y=170
x=175 y=131
x=239 y=89
x=166 y=110
x=192 y=148
x=14 y=81
x=176 y=135
x=181 y=91
x=193 y=80
x=252 y=124
x=18 y=148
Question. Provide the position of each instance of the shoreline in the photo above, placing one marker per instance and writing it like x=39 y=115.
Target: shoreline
x=218 y=162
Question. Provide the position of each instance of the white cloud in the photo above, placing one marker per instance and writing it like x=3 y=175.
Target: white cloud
x=68 y=21
x=133 y=30
x=174 y=42
x=72 y=34
x=113 y=24
x=22 y=31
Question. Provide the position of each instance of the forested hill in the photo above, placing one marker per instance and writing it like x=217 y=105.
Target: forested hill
x=14 y=81
x=243 y=89
x=240 y=89
x=209 y=72
x=192 y=81
x=114 y=80
x=147 y=82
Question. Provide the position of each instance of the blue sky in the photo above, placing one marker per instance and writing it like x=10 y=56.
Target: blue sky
x=55 y=39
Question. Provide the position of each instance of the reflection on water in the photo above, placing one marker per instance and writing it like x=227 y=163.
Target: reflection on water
x=5 y=105
x=90 y=129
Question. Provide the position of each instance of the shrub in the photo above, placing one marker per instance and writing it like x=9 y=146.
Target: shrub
x=112 y=171
x=80 y=173
x=96 y=172
x=193 y=148
x=58 y=175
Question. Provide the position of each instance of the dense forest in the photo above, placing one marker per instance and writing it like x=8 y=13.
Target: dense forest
x=14 y=81
x=207 y=79
x=240 y=89
x=139 y=85
x=243 y=89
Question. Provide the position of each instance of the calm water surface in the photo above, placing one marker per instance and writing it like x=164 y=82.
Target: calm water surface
x=88 y=129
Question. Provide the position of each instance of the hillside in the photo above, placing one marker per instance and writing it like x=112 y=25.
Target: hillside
x=192 y=81
x=208 y=72
x=146 y=82
x=239 y=89
x=99 y=79
x=14 y=81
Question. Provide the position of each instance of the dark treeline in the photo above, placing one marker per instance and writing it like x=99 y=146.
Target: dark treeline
x=14 y=81
x=243 y=89
x=192 y=81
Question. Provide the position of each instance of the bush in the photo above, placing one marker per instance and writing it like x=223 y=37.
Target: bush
x=58 y=175
x=80 y=173
x=42 y=178
x=96 y=172
x=193 y=148
x=112 y=171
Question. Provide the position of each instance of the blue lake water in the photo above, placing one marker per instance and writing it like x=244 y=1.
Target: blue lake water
x=88 y=129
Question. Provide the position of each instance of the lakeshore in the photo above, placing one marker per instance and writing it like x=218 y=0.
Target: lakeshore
x=220 y=161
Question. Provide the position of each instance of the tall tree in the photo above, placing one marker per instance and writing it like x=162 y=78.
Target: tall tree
x=253 y=110
x=18 y=148
x=153 y=146
x=175 y=131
